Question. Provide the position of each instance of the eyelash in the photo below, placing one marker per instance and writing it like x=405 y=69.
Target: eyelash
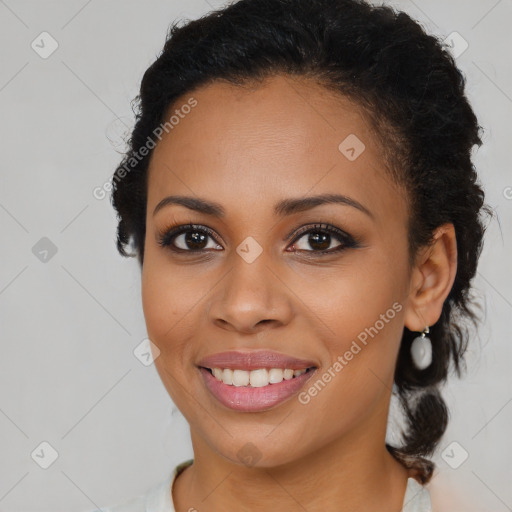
x=167 y=236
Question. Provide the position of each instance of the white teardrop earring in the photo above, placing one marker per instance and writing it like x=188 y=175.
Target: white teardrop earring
x=421 y=350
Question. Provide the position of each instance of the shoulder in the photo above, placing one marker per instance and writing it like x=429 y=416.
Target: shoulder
x=157 y=498
x=136 y=504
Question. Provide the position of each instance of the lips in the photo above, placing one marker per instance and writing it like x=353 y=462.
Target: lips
x=254 y=399
x=253 y=360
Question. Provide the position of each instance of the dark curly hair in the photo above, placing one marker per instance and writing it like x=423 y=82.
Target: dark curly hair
x=409 y=88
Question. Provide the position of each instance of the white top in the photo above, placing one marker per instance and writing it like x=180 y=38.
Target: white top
x=159 y=499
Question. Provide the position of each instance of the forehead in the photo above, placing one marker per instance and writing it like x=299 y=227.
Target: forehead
x=253 y=144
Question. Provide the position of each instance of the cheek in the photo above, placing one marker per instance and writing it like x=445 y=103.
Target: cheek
x=351 y=298
x=168 y=304
x=366 y=320
x=166 y=294
x=363 y=312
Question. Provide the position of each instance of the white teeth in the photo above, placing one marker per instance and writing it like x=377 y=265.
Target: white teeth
x=240 y=378
x=255 y=378
x=258 y=378
x=275 y=375
x=227 y=376
x=288 y=374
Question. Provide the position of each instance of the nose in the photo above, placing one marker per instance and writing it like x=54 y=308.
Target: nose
x=251 y=298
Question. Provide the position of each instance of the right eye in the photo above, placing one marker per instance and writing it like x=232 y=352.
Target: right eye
x=187 y=238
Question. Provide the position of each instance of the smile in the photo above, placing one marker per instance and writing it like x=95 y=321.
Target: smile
x=256 y=390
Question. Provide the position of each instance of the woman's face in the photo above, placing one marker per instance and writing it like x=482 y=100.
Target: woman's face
x=258 y=280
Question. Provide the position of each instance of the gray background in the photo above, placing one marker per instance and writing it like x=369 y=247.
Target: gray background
x=69 y=325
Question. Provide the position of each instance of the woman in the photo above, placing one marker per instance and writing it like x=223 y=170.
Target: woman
x=300 y=196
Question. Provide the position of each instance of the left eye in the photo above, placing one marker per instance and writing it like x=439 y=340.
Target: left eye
x=320 y=239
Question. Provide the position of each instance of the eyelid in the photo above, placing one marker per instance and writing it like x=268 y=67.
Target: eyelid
x=320 y=226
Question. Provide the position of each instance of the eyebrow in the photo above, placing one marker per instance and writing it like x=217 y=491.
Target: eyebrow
x=283 y=208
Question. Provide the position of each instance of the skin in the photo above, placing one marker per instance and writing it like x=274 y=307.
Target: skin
x=248 y=148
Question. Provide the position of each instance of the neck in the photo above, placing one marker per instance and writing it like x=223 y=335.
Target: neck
x=354 y=472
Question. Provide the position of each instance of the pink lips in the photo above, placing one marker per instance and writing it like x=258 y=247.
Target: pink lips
x=253 y=360
x=248 y=399
x=254 y=399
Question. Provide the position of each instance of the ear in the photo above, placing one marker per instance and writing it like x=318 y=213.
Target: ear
x=432 y=279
